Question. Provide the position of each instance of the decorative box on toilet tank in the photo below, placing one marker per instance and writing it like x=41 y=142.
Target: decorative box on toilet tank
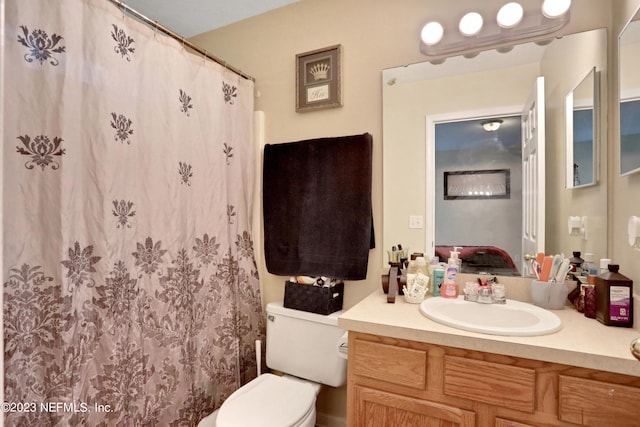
x=312 y=298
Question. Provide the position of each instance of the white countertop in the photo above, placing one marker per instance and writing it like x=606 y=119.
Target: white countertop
x=581 y=342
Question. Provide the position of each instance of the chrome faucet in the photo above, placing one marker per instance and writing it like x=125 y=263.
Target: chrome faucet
x=485 y=292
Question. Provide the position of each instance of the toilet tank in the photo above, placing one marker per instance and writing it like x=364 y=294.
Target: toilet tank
x=305 y=345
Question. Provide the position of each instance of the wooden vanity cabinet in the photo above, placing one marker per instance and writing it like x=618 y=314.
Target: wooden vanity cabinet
x=394 y=382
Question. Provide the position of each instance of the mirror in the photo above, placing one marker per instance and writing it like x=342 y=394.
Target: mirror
x=582 y=130
x=629 y=64
x=492 y=84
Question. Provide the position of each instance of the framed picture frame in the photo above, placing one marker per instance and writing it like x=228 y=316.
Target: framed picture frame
x=318 y=79
x=478 y=184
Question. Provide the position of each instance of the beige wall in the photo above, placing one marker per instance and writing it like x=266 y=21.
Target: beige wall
x=379 y=34
x=374 y=34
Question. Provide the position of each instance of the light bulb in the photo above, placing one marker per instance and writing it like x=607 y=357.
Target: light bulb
x=555 y=8
x=432 y=33
x=471 y=24
x=510 y=15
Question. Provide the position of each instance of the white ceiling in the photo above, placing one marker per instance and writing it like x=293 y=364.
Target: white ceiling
x=188 y=18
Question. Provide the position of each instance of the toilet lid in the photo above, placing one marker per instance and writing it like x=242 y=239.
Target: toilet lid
x=267 y=401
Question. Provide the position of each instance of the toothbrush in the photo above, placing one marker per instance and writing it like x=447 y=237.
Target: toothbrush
x=562 y=272
x=546 y=268
x=555 y=267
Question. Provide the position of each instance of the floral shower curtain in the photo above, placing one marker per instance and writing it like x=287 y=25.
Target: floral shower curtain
x=131 y=295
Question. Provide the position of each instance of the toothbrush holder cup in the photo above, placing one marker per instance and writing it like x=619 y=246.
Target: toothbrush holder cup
x=549 y=295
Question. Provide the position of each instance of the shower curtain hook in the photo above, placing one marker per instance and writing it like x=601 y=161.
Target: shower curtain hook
x=155 y=29
x=204 y=57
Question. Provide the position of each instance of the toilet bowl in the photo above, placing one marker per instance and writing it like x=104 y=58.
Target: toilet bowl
x=299 y=343
x=268 y=401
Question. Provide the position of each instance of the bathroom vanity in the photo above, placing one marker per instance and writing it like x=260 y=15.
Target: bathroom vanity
x=407 y=370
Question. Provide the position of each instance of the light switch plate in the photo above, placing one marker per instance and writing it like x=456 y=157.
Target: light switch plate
x=416 y=221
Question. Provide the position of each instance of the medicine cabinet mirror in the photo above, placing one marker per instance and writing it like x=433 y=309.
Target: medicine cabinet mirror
x=629 y=80
x=498 y=85
x=582 y=132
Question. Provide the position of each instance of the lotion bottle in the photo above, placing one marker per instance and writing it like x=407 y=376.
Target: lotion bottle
x=434 y=264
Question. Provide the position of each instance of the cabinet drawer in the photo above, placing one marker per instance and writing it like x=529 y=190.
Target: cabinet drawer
x=597 y=403
x=501 y=422
x=397 y=365
x=494 y=383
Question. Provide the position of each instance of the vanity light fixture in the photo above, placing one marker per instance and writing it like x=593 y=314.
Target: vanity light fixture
x=491 y=125
x=555 y=8
x=513 y=24
x=510 y=15
x=432 y=33
x=471 y=24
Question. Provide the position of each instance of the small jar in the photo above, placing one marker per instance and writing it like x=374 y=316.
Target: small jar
x=590 y=297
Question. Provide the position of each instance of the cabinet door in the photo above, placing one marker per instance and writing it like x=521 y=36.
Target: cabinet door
x=598 y=403
x=375 y=408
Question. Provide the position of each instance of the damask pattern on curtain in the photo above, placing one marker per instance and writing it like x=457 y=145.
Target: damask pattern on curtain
x=131 y=294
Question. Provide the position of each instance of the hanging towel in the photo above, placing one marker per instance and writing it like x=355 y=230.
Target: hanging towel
x=317 y=207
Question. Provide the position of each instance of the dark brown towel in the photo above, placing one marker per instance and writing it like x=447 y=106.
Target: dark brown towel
x=317 y=207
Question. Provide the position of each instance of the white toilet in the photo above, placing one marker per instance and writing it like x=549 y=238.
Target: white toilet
x=310 y=349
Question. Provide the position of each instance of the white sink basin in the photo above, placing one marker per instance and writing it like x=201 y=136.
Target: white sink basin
x=514 y=318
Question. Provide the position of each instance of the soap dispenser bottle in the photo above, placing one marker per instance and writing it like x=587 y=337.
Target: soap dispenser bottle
x=454 y=256
x=450 y=287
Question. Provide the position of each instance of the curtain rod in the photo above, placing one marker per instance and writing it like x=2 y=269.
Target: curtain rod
x=179 y=38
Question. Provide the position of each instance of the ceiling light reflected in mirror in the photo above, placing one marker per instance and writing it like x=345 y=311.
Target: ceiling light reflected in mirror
x=491 y=125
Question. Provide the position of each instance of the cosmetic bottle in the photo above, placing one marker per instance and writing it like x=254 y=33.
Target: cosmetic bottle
x=434 y=263
x=604 y=265
x=438 y=279
x=589 y=265
x=412 y=267
x=614 y=298
x=421 y=266
x=576 y=263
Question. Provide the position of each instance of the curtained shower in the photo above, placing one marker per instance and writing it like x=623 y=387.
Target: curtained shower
x=131 y=294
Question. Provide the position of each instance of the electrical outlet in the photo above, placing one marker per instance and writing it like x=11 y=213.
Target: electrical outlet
x=416 y=221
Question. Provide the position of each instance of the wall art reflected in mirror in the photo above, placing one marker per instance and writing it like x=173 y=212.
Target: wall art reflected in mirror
x=418 y=97
x=629 y=64
x=582 y=132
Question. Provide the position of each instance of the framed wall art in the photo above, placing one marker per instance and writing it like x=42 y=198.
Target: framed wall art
x=477 y=184
x=318 y=79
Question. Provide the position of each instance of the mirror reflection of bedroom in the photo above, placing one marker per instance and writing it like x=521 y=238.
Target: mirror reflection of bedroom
x=478 y=193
